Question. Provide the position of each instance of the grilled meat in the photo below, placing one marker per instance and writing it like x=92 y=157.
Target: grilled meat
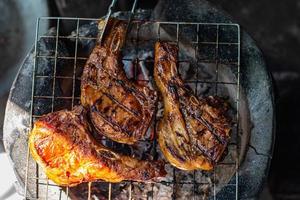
x=119 y=108
x=193 y=132
x=62 y=144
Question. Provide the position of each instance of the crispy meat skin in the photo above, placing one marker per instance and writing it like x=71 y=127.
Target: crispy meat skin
x=119 y=108
x=193 y=132
x=62 y=144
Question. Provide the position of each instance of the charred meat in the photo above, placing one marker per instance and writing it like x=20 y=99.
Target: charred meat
x=119 y=108
x=62 y=144
x=193 y=132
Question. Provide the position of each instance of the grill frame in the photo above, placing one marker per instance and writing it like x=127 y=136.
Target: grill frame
x=73 y=78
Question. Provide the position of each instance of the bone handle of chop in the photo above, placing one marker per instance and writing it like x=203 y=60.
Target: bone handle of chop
x=110 y=9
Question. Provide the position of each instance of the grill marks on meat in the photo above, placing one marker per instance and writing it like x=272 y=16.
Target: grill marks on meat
x=62 y=144
x=119 y=108
x=193 y=132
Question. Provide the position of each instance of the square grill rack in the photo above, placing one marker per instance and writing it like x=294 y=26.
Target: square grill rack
x=219 y=46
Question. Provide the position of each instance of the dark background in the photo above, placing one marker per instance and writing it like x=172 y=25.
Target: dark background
x=275 y=25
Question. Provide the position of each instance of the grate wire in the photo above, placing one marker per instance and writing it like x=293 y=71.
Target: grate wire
x=76 y=58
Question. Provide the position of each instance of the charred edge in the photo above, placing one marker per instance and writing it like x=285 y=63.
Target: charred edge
x=109 y=121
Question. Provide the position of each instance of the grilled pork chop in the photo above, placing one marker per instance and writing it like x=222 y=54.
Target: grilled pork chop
x=119 y=108
x=193 y=132
x=62 y=144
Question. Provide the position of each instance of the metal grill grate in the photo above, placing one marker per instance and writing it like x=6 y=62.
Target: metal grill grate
x=215 y=45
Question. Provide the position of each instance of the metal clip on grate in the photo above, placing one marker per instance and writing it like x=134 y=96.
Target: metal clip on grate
x=211 y=47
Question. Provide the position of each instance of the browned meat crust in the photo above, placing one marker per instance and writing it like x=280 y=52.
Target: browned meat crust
x=194 y=131
x=120 y=109
x=62 y=145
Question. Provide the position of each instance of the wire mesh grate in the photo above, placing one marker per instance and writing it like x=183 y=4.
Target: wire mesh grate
x=214 y=46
